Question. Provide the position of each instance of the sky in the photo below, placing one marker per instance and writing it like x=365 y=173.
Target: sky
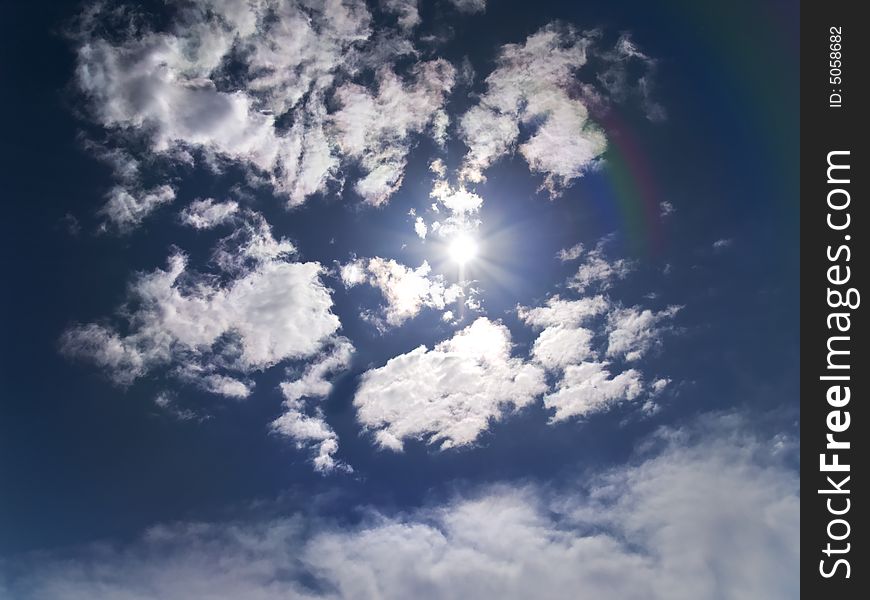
x=390 y=299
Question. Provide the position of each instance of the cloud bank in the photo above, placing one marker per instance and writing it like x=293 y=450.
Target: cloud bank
x=711 y=519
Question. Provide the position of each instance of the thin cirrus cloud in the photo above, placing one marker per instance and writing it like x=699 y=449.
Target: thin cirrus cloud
x=512 y=541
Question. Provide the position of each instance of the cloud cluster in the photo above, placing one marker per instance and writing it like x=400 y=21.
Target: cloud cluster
x=713 y=520
x=458 y=206
x=257 y=84
x=307 y=97
x=567 y=346
x=406 y=291
x=597 y=271
x=449 y=394
x=375 y=128
x=303 y=422
x=267 y=309
x=531 y=88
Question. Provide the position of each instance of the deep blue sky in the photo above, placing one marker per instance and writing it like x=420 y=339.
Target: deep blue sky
x=82 y=460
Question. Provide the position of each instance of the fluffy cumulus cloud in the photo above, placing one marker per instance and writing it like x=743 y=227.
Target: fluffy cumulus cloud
x=272 y=310
x=449 y=394
x=559 y=346
x=406 y=291
x=718 y=519
x=221 y=81
x=588 y=388
x=565 y=346
x=532 y=87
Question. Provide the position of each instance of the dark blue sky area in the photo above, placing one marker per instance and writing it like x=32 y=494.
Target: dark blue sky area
x=81 y=459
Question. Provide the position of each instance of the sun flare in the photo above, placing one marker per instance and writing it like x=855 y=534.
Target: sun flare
x=462 y=249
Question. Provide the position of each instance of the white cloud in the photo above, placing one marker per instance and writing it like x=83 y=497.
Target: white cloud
x=168 y=89
x=588 y=388
x=567 y=346
x=206 y=213
x=420 y=228
x=666 y=208
x=633 y=331
x=557 y=347
x=659 y=385
x=629 y=74
x=561 y=312
x=165 y=401
x=251 y=244
x=722 y=244
x=693 y=520
x=273 y=310
x=569 y=254
x=458 y=201
x=376 y=128
x=597 y=270
x=406 y=12
x=447 y=395
x=460 y=205
x=304 y=423
x=563 y=341
x=126 y=207
x=204 y=377
x=531 y=85
x=469 y=6
x=407 y=291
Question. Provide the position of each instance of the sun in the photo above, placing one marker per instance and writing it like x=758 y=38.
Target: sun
x=462 y=249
